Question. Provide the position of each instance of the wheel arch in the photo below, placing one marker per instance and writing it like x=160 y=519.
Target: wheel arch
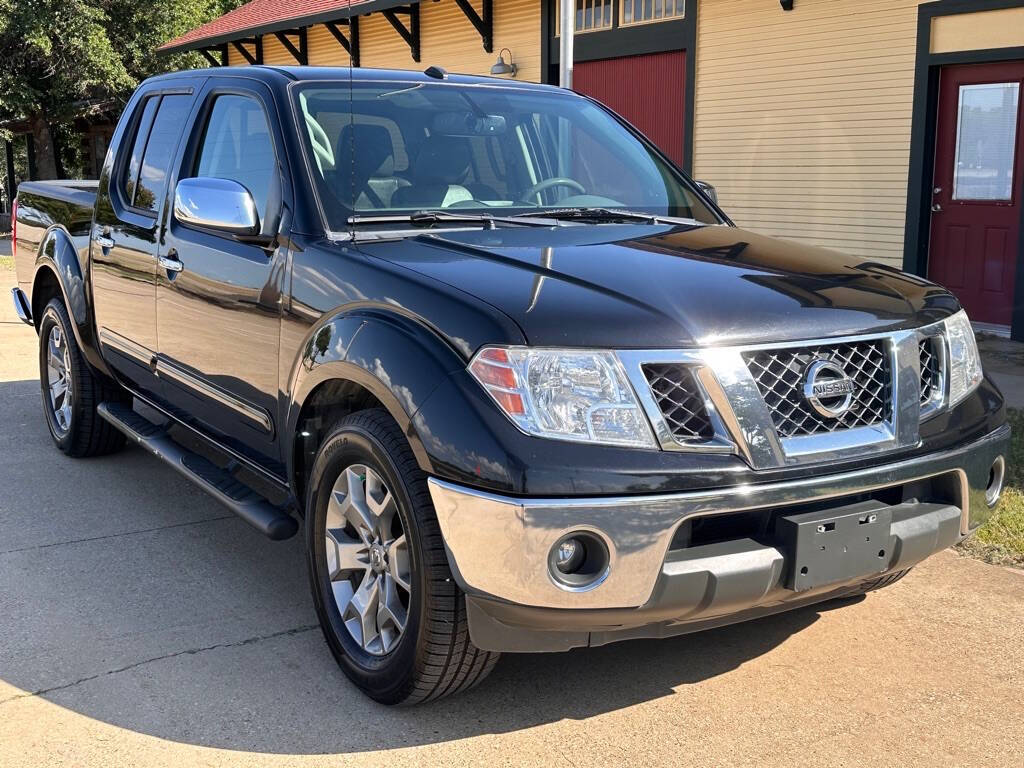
x=366 y=358
x=58 y=273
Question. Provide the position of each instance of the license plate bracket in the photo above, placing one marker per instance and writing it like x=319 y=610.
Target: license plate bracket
x=833 y=545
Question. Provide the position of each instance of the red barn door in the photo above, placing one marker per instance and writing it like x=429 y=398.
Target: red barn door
x=648 y=90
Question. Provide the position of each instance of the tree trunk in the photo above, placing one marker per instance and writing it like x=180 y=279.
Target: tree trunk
x=46 y=157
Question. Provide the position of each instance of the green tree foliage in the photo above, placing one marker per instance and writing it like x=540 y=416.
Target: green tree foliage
x=61 y=54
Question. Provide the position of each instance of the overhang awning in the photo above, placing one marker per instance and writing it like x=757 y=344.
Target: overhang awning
x=261 y=17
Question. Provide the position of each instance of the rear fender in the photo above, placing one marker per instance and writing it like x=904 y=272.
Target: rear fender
x=58 y=257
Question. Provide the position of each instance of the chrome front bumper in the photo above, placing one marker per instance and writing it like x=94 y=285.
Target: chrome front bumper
x=499 y=546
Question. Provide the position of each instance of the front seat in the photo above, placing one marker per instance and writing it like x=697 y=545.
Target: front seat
x=370 y=154
x=436 y=174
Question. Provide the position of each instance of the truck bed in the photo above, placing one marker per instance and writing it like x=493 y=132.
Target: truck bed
x=45 y=204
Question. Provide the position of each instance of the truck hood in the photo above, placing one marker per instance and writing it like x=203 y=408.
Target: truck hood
x=657 y=286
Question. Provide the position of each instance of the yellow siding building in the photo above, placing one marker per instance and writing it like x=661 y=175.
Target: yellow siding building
x=850 y=124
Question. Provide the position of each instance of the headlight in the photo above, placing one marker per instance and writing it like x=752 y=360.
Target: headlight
x=964 y=361
x=565 y=394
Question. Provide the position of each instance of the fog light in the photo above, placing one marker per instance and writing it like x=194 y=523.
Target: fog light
x=579 y=561
x=569 y=555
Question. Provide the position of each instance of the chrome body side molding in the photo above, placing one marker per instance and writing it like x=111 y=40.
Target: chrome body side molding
x=258 y=416
x=127 y=347
x=167 y=370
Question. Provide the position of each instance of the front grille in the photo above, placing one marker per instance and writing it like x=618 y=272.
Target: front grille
x=680 y=400
x=780 y=376
x=929 y=370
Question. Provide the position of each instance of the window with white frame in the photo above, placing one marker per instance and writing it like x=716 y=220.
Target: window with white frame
x=596 y=15
x=591 y=15
x=642 y=11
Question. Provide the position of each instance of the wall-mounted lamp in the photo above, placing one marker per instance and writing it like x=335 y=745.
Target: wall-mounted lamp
x=787 y=5
x=502 y=67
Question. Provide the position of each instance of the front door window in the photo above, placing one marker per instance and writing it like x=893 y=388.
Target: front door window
x=985 y=142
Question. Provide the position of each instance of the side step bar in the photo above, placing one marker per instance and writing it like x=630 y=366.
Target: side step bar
x=268 y=519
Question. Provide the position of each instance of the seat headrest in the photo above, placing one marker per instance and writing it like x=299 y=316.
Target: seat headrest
x=367 y=149
x=442 y=159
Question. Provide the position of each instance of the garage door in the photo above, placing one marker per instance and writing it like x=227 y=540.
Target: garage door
x=648 y=90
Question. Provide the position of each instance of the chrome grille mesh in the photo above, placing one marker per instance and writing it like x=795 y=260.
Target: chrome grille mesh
x=780 y=375
x=680 y=400
x=929 y=370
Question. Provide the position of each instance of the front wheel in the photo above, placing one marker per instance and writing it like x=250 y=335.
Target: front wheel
x=71 y=390
x=389 y=608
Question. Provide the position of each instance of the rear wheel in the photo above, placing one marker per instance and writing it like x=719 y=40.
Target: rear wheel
x=71 y=391
x=390 y=610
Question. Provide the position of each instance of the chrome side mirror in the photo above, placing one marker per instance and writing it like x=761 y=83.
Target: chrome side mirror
x=708 y=190
x=220 y=204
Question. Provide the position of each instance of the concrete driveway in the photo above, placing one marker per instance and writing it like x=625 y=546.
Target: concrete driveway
x=140 y=624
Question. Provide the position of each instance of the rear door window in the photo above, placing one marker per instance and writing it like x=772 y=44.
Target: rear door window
x=171 y=115
x=131 y=171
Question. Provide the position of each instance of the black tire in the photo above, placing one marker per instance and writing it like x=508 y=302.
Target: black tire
x=85 y=434
x=434 y=656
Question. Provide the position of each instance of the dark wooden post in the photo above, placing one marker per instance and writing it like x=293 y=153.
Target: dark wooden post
x=12 y=183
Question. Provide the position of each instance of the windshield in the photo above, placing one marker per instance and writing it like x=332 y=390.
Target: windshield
x=379 y=149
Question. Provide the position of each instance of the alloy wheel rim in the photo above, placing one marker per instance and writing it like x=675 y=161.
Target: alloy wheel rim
x=58 y=378
x=368 y=559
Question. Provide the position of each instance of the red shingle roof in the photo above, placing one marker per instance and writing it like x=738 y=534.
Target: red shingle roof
x=258 y=15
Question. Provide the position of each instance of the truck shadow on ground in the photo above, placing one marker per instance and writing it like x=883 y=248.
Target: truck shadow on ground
x=139 y=603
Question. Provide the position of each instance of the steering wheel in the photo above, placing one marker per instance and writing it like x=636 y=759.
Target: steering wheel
x=554 y=181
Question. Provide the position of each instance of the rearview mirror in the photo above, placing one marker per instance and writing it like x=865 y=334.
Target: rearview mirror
x=220 y=204
x=708 y=190
x=468 y=124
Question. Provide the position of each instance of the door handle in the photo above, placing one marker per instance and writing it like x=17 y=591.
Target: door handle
x=171 y=262
x=936 y=208
x=104 y=241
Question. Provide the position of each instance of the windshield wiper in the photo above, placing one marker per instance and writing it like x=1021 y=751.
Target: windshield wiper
x=610 y=214
x=428 y=218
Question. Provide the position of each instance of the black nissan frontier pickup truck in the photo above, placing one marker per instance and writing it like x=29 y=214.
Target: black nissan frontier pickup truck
x=521 y=382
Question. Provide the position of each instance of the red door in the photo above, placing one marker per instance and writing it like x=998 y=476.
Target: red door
x=649 y=91
x=976 y=201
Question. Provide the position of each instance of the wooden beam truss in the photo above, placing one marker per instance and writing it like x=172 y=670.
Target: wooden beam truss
x=410 y=33
x=349 y=43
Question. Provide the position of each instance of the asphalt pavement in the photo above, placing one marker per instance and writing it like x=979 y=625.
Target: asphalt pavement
x=141 y=624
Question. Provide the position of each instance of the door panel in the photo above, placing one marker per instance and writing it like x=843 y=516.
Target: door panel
x=977 y=190
x=124 y=240
x=219 y=317
x=648 y=90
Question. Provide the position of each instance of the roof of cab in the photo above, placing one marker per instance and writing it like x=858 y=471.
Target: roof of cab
x=359 y=74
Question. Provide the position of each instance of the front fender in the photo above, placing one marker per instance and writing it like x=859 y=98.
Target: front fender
x=59 y=256
x=397 y=359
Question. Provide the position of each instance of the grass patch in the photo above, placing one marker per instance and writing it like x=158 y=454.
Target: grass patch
x=1001 y=539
